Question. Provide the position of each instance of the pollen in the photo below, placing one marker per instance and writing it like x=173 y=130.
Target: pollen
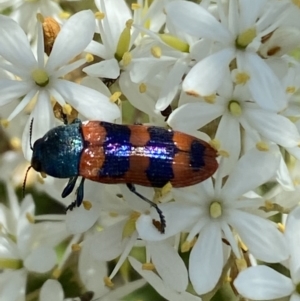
x=126 y=58
x=87 y=205
x=40 y=77
x=108 y=282
x=186 y=246
x=115 y=97
x=215 y=209
x=4 y=123
x=235 y=108
x=15 y=143
x=175 y=42
x=51 y=29
x=296 y=2
x=135 y=6
x=210 y=98
x=148 y=266
x=99 y=15
x=245 y=38
x=76 y=247
x=67 y=109
x=156 y=51
x=290 y=89
x=241 y=78
x=281 y=227
x=30 y=218
x=241 y=264
x=89 y=58
x=142 y=88
x=262 y=146
x=56 y=273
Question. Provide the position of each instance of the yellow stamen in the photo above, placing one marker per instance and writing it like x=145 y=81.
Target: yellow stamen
x=13 y=264
x=296 y=2
x=129 y=227
x=4 y=123
x=15 y=143
x=185 y=247
x=64 y=15
x=210 y=98
x=56 y=273
x=223 y=153
x=215 y=209
x=290 y=89
x=148 y=266
x=215 y=143
x=76 y=247
x=124 y=41
x=156 y=51
x=99 y=15
x=115 y=97
x=67 y=109
x=87 y=205
x=107 y=281
x=30 y=218
x=281 y=227
x=135 y=6
x=262 y=146
x=89 y=58
x=113 y=214
x=241 y=264
x=142 y=88
x=40 y=17
x=242 y=78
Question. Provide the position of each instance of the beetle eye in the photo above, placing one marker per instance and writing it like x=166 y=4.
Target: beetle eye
x=36 y=165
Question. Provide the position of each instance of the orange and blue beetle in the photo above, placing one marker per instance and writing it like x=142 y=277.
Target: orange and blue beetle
x=131 y=154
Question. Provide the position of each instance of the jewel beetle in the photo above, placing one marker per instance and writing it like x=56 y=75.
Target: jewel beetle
x=130 y=154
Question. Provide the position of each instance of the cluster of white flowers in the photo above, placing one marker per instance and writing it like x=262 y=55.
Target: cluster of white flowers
x=225 y=71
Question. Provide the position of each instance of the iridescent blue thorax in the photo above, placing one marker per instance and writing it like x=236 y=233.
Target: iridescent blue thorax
x=58 y=153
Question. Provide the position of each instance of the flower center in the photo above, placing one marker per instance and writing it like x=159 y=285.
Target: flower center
x=215 y=209
x=234 y=108
x=40 y=77
x=245 y=38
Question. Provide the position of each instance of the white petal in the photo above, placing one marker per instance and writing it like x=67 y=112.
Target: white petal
x=41 y=260
x=276 y=128
x=264 y=85
x=252 y=170
x=229 y=134
x=107 y=69
x=293 y=239
x=196 y=21
x=171 y=84
x=8 y=249
x=263 y=283
x=90 y=103
x=96 y=84
x=14 y=44
x=74 y=36
x=51 y=290
x=178 y=218
x=13 y=285
x=206 y=259
x=261 y=236
x=91 y=270
x=107 y=245
x=207 y=75
x=192 y=116
x=169 y=265
x=156 y=282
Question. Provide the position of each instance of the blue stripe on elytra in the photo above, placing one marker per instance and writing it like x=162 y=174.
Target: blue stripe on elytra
x=117 y=149
x=197 y=155
x=161 y=151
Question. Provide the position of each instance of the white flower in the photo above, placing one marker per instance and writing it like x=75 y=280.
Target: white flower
x=213 y=211
x=43 y=80
x=237 y=35
x=264 y=283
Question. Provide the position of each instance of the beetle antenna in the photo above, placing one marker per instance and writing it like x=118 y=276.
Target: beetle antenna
x=30 y=133
x=24 y=182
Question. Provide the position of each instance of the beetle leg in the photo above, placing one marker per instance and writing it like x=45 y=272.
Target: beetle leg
x=70 y=186
x=131 y=187
x=79 y=196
